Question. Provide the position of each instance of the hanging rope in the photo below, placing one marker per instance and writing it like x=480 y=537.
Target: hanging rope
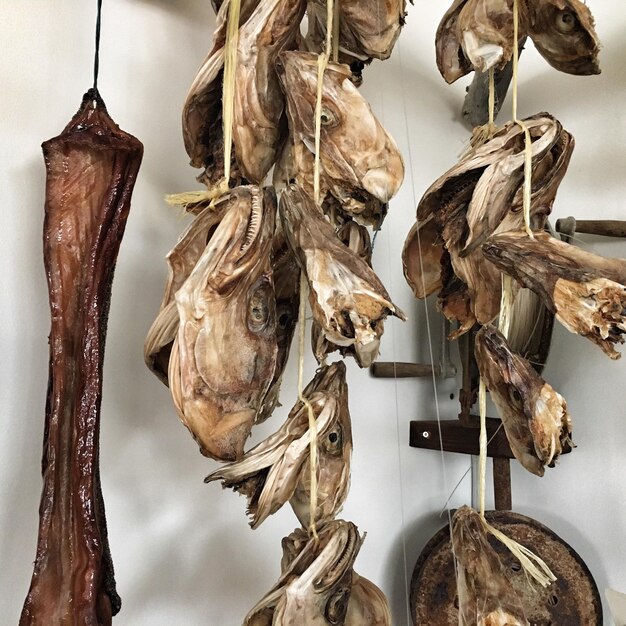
x=304 y=289
x=96 y=56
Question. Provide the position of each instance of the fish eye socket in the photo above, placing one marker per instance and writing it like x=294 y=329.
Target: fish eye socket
x=566 y=22
x=337 y=607
x=327 y=118
x=334 y=441
x=515 y=396
x=258 y=309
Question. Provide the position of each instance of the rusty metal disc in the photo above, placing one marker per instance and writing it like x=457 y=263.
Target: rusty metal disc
x=573 y=600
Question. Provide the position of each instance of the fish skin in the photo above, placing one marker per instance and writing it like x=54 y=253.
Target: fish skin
x=360 y=163
x=347 y=298
x=181 y=260
x=586 y=292
x=91 y=170
x=535 y=417
x=477 y=35
x=227 y=306
x=259 y=127
x=486 y=596
x=564 y=34
x=277 y=470
x=316 y=580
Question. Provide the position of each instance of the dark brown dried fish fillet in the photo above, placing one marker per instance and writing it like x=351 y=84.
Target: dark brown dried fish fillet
x=587 y=292
x=91 y=171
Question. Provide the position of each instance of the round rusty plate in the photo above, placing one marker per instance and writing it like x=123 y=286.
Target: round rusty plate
x=573 y=600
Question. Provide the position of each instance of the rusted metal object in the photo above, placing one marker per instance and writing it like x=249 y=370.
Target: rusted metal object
x=572 y=600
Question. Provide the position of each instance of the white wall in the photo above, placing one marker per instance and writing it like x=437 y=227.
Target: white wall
x=182 y=550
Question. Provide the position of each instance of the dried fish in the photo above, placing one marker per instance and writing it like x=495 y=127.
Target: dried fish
x=202 y=112
x=315 y=585
x=421 y=258
x=278 y=469
x=227 y=305
x=356 y=238
x=286 y=275
x=91 y=171
x=259 y=127
x=360 y=164
x=586 y=292
x=486 y=596
x=367 y=29
x=479 y=35
x=533 y=414
x=348 y=300
x=564 y=34
x=368 y=605
x=482 y=195
x=181 y=261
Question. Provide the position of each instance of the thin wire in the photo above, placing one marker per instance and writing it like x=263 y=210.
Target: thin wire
x=96 y=56
x=426 y=314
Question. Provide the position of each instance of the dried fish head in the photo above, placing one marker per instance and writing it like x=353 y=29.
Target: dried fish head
x=348 y=300
x=357 y=239
x=368 y=605
x=451 y=59
x=278 y=469
x=486 y=596
x=227 y=306
x=533 y=414
x=334 y=454
x=587 y=292
x=202 y=112
x=314 y=588
x=421 y=258
x=563 y=32
x=367 y=29
x=181 y=261
x=359 y=161
x=259 y=127
x=286 y=274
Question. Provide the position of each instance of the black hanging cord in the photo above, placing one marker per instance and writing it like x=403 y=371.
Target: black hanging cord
x=96 y=60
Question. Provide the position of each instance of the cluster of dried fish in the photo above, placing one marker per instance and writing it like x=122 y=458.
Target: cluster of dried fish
x=478 y=35
x=222 y=337
x=478 y=197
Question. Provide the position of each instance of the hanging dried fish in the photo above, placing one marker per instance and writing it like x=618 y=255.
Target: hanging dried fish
x=564 y=34
x=533 y=414
x=486 y=596
x=478 y=35
x=91 y=171
x=367 y=29
x=278 y=469
x=368 y=605
x=480 y=195
x=357 y=239
x=347 y=299
x=259 y=127
x=315 y=585
x=586 y=292
x=421 y=258
x=227 y=306
x=181 y=261
x=286 y=275
x=360 y=163
x=202 y=112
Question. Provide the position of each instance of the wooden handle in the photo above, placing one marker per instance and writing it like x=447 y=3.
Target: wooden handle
x=403 y=370
x=606 y=228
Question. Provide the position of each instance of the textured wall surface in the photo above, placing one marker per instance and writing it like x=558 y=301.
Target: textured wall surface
x=183 y=551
